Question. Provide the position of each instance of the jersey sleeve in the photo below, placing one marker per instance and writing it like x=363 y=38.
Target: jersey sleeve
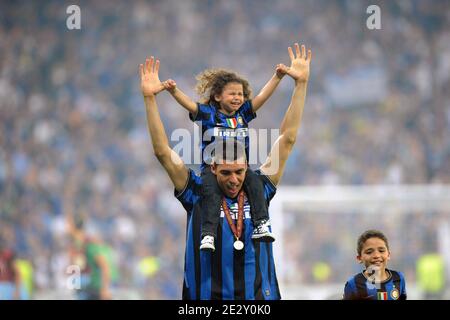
x=349 y=291
x=246 y=111
x=269 y=188
x=403 y=295
x=191 y=192
x=204 y=113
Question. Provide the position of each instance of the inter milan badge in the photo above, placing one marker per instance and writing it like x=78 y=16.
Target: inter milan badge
x=238 y=245
x=395 y=294
x=240 y=121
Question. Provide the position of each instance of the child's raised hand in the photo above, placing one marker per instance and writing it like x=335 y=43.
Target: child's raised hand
x=299 y=69
x=281 y=70
x=170 y=85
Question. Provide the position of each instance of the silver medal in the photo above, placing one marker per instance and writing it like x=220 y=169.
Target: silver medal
x=238 y=245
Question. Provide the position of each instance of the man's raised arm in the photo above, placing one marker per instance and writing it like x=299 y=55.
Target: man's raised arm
x=299 y=71
x=172 y=163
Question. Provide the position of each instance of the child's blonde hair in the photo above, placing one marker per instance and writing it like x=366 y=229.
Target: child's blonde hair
x=212 y=81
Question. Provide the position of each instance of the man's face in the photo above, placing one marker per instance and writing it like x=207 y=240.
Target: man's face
x=230 y=177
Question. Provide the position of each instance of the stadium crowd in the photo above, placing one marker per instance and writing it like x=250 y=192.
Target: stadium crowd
x=73 y=131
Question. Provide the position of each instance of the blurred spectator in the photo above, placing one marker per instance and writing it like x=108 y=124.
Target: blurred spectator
x=12 y=284
x=431 y=276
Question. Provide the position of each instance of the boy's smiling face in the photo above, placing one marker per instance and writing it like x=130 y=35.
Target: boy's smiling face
x=374 y=253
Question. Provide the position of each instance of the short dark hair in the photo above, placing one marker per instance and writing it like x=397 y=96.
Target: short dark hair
x=370 y=234
x=228 y=150
x=78 y=221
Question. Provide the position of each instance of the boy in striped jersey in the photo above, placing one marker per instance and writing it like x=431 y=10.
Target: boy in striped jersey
x=224 y=112
x=376 y=282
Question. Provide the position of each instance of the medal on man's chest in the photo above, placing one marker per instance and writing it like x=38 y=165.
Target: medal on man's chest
x=236 y=229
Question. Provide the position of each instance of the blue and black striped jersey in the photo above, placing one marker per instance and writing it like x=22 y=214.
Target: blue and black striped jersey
x=359 y=287
x=215 y=124
x=226 y=273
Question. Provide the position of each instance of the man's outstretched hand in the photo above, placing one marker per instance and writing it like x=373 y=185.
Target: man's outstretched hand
x=299 y=69
x=150 y=83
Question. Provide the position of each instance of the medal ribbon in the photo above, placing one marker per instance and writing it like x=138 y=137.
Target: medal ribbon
x=237 y=232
